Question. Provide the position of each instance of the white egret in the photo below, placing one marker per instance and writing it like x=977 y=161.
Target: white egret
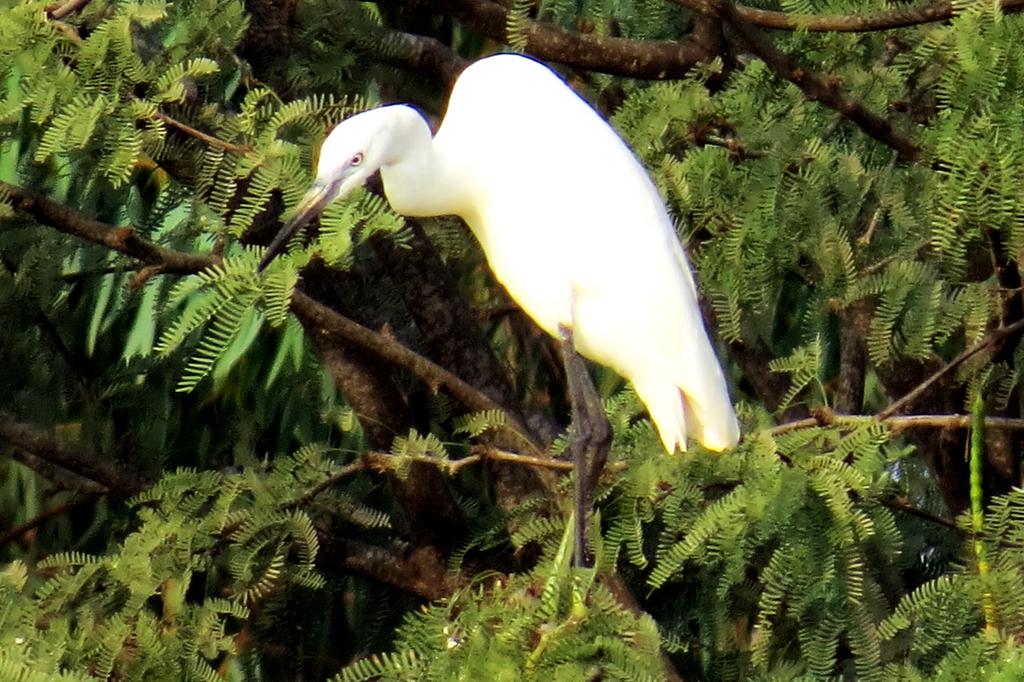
x=570 y=223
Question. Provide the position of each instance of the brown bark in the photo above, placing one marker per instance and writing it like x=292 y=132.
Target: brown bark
x=41 y=444
x=432 y=516
x=853 y=358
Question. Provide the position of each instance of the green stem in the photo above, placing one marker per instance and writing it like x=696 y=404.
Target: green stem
x=977 y=504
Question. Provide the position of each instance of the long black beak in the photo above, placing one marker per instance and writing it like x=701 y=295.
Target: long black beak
x=316 y=198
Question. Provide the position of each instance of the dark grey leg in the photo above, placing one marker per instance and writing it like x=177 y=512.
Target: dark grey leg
x=590 y=440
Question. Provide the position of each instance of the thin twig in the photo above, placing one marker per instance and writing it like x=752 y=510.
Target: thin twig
x=21 y=529
x=859 y=23
x=897 y=422
x=341 y=474
x=952 y=421
x=203 y=137
x=990 y=339
x=481 y=454
x=899 y=505
x=385 y=461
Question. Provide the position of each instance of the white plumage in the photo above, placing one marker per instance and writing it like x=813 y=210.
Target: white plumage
x=570 y=223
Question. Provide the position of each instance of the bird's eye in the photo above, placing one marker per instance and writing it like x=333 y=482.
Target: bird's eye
x=356 y=159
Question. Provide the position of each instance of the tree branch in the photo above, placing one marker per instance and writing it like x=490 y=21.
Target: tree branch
x=201 y=136
x=390 y=349
x=59 y=10
x=815 y=86
x=906 y=508
x=625 y=596
x=420 y=54
x=126 y=241
x=992 y=338
x=651 y=60
x=440 y=313
x=416 y=570
x=61 y=478
x=52 y=450
x=121 y=239
x=826 y=417
x=859 y=23
x=21 y=529
x=854 y=321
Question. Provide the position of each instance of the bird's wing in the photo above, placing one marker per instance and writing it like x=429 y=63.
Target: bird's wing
x=566 y=210
x=541 y=153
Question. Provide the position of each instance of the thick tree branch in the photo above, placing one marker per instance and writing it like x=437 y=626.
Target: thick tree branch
x=375 y=400
x=651 y=60
x=268 y=39
x=48 y=448
x=126 y=241
x=59 y=10
x=121 y=239
x=421 y=54
x=625 y=596
x=390 y=349
x=416 y=570
x=1011 y=306
x=59 y=477
x=770 y=387
x=853 y=358
x=432 y=516
x=454 y=341
x=425 y=286
x=441 y=313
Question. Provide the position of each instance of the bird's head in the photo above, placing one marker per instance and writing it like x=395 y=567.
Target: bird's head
x=356 y=149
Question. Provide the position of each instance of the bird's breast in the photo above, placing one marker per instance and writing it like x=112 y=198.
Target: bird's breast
x=524 y=260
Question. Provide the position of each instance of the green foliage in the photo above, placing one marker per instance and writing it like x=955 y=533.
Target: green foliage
x=767 y=566
x=224 y=294
x=772 y=563
x=516 y=24
x=786 y=548
x=553 y=623
x=803 y=226
x=175 y=595
x=787 y=559
x=474 y=424
x=960 y=645
x=803 y=366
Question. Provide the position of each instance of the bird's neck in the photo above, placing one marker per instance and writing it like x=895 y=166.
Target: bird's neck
x=422 y=180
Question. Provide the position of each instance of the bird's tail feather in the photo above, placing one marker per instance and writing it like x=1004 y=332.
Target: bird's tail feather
x=710 y=421
x=664 y=402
